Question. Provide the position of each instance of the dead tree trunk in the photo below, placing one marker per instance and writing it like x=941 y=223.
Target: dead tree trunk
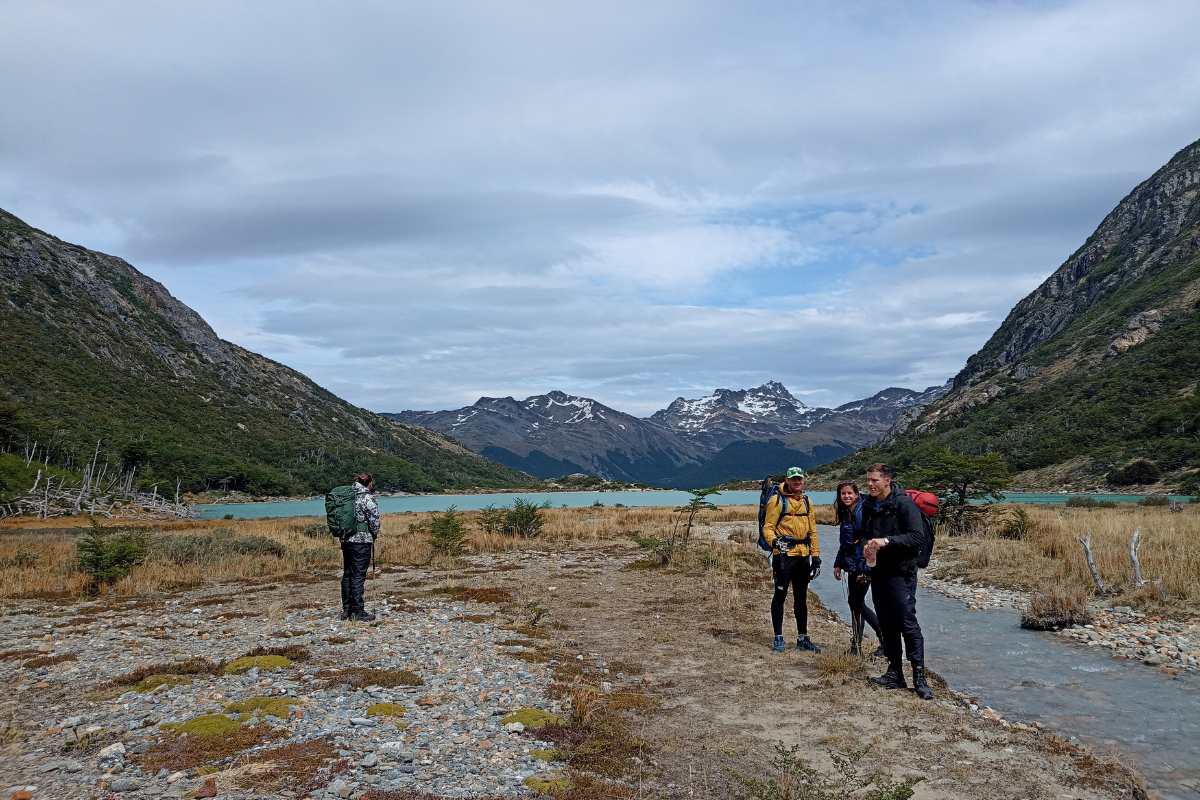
x=1138 y=580
x=1086 y=542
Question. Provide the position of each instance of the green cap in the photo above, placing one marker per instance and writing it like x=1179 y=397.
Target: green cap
x=795 y=472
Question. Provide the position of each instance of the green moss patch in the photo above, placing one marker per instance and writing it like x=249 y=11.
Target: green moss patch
x=548 y=784
x=386 y=710
x=362 y=677
x=277 y=706
x=206 y=726
x=152 y=682
x=247 y=663
x=548 y=754
x=532 y=718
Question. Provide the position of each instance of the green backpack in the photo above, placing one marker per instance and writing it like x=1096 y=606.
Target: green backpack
x=339 y=511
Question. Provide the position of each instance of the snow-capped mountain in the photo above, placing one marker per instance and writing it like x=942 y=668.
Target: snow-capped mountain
x=731 y=433
x=731 y=414
x=555 y=434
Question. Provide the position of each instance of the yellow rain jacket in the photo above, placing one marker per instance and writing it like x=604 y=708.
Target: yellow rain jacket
x=799 y=523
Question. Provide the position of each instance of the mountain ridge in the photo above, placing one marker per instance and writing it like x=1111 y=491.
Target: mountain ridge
x=1095 y=368
x=96 y=350
x=706 y=440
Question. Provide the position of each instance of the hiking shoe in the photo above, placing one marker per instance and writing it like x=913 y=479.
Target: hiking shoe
x=362 y=616
x=805 y=643
x=779 y=645
x=345 y=615
x=920 y=685
x=892 y=679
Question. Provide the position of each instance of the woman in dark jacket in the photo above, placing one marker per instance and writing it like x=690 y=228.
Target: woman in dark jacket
x=848 y=507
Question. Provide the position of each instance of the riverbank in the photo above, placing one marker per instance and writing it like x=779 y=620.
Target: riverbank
x=658 y=677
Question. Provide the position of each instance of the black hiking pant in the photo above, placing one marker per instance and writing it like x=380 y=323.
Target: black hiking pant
x=793 y=572
x=356 y=557
x=895 y=599
x=857 y=597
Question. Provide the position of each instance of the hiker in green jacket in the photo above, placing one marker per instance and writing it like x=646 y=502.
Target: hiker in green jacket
x=357 y=550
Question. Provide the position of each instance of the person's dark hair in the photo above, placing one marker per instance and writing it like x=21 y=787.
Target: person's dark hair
x=882 y=469
x=364 y=478
x=839 y=509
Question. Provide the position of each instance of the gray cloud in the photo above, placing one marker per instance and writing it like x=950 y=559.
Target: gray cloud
x=418 y=205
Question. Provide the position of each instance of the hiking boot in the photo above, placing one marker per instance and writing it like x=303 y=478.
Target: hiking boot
x=362 y=616
x=892 y=679
x=805 y=643
x=345 y=615
x=920 y=685
x=879 y=653
x=779 y=645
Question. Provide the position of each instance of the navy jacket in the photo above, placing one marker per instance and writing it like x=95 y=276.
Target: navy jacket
x=850 y=543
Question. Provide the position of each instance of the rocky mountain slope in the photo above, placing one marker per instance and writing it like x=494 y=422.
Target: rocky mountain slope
x=557 y=434
x=725 y=435
x=1098 y=366
x=95 y=350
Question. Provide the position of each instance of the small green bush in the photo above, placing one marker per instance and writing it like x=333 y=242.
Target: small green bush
x=525 y=518
x=107 y=555
x=1083 y=501
x=491 y=519
x=447 y=533
x=1140 y=471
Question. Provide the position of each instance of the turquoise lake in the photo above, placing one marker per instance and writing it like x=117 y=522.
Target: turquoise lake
x=315 y=506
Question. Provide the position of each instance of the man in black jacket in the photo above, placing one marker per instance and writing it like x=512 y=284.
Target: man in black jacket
x=895 y=531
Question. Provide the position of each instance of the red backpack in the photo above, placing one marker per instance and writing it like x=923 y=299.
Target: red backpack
x=927 y=503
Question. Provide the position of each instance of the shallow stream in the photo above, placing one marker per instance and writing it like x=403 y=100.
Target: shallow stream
x=1152 y=719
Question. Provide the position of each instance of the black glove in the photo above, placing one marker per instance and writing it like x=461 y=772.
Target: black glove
x=814 y=568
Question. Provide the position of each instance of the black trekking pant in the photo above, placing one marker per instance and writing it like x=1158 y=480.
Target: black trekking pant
x=793 y=572
x=895 y=599
x=356 y=557
x=857 y=596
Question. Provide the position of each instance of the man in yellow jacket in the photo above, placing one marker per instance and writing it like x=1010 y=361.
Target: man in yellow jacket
x=790 y=530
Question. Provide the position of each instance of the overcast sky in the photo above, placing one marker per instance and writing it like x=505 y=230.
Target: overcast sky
x=418 y=204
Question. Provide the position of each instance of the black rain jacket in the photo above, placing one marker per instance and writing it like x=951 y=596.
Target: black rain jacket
x=899 y=521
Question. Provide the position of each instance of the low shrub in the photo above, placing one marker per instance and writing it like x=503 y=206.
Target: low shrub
x=1056 y=609
x=491 y=519
x=1083 y=501
x=1140 y=471
x=525 y=518
x=107 y=555
x=1015 y=524
x=1155 y=501
x=447 y=533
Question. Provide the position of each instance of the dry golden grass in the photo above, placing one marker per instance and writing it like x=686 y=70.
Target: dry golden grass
x=1050 y=557
x=306 y=550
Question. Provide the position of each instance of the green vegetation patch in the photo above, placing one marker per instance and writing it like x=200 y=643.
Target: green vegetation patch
x=532 y=718
x=276 y=706
x=548 y=784
x=152 y=682
x=386 y=710
x=247 y=663
x=362 y=677
x=548 y=754
x=208 y=726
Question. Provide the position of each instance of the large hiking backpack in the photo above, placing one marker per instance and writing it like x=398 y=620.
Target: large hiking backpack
x=927 y=503
x=767 y=488
x=339 y=511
